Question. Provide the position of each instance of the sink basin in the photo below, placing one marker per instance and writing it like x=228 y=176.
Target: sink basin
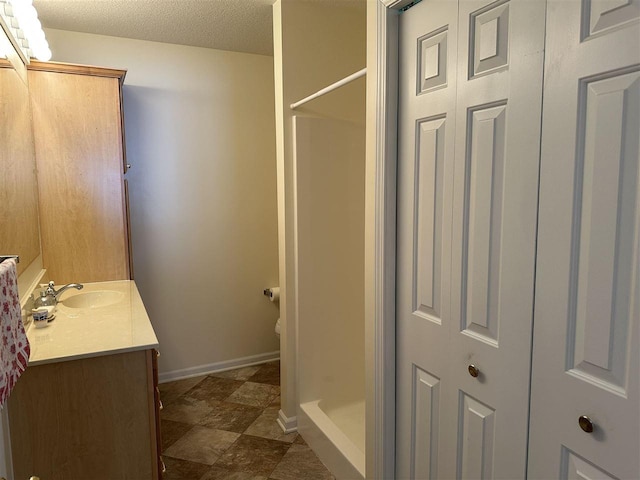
x=98 y=299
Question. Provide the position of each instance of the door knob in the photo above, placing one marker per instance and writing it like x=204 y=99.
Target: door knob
x=473 y=371
x=585 y=424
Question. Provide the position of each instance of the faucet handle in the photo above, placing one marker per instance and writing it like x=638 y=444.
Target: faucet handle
x=50 y=290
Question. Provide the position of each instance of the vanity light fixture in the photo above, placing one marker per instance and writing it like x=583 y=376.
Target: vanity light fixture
x=19 y=19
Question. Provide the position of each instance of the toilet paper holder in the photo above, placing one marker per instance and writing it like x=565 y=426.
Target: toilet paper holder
x=273 y=293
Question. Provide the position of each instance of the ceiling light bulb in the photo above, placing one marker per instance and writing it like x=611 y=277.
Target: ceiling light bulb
x=43 y=53
x=33 y=25
x=27 y=16
x=23 y=17
x=35 y=35
x=17 y=7
x=20 y=3
x=29 y=9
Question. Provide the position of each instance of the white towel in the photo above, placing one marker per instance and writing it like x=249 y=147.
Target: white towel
x=14 y=349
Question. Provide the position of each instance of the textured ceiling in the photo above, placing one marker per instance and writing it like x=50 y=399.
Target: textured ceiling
x=237 y=25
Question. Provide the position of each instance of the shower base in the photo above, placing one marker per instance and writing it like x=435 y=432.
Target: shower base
x=336 y=435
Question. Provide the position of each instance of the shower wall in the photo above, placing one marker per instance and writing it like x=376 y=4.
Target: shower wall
x=330 y=180
x=329 y=159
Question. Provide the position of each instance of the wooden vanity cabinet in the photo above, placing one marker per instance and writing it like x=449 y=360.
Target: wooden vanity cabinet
x=158 y=406
x=94 y=418
x=80 y=158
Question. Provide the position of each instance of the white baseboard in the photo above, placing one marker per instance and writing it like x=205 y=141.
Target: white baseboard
x=218 y=367
x=287 y=424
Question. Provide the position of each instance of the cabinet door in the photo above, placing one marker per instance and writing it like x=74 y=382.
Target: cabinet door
x=587 y=309
x=157 y=406
x=469 y=110
x=85 y=419
x=78 y=137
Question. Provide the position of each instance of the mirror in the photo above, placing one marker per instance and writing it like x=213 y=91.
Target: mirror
x=19 y=226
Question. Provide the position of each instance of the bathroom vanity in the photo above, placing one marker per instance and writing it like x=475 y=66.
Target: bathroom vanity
x=88 y=404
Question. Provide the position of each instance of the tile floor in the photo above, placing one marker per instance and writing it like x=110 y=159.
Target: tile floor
x=223 y=426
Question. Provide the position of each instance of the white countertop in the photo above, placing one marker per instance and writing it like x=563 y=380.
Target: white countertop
x=122 y=326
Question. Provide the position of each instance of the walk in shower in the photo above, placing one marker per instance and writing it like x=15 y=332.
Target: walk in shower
x=329 y=151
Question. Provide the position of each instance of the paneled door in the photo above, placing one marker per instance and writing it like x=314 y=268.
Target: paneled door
x=427 y=101
x=469 y=134
x=585 y=406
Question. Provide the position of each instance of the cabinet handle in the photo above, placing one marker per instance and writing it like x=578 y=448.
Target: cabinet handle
x=160 y=406
x=164 y=467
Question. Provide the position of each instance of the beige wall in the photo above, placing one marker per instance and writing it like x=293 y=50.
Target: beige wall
x=201 y=138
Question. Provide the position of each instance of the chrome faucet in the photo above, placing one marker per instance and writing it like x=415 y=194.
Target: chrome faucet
x=56 y=293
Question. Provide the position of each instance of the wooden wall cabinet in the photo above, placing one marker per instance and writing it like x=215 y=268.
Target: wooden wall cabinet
x=80 y=157
x=95 y=418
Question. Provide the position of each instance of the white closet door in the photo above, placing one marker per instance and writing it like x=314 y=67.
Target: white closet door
x=497 y=157
x=427 y=90
x=467 y=198
x=587 y=308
